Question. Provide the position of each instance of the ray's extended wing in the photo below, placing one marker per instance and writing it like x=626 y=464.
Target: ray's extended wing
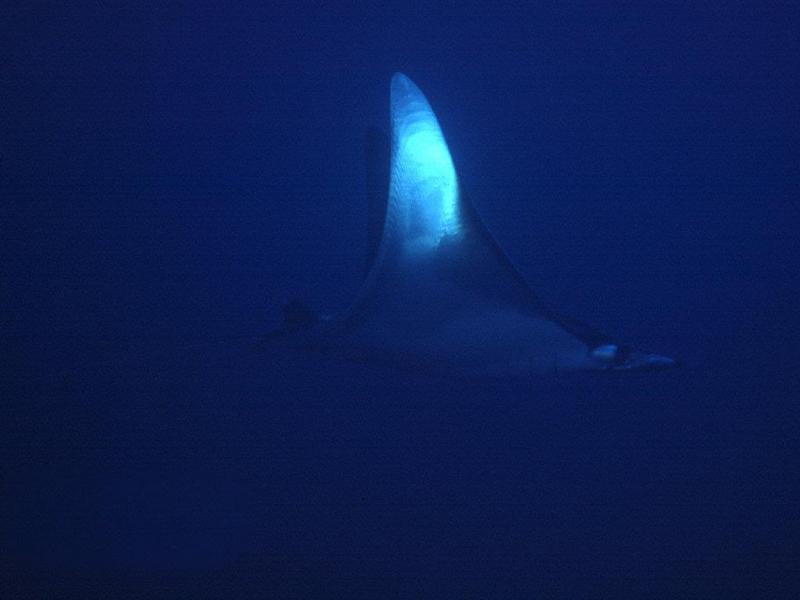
x=433 y=246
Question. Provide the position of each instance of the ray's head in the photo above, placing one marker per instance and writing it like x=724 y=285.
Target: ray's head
x=620 y=358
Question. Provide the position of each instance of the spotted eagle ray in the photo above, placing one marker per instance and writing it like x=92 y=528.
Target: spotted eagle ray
x=439 y=290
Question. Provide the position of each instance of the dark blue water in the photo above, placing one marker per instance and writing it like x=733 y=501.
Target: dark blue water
x=171 y=175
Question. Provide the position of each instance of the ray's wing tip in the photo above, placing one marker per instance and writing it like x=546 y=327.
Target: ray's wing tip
x=404 y=93
x=400 y=80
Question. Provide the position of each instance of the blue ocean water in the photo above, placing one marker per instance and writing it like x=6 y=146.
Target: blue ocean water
x=170 y=175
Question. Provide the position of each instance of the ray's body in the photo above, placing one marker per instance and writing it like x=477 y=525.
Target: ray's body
x=440 y=290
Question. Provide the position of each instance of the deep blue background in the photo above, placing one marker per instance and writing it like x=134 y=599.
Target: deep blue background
x=171 y=175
